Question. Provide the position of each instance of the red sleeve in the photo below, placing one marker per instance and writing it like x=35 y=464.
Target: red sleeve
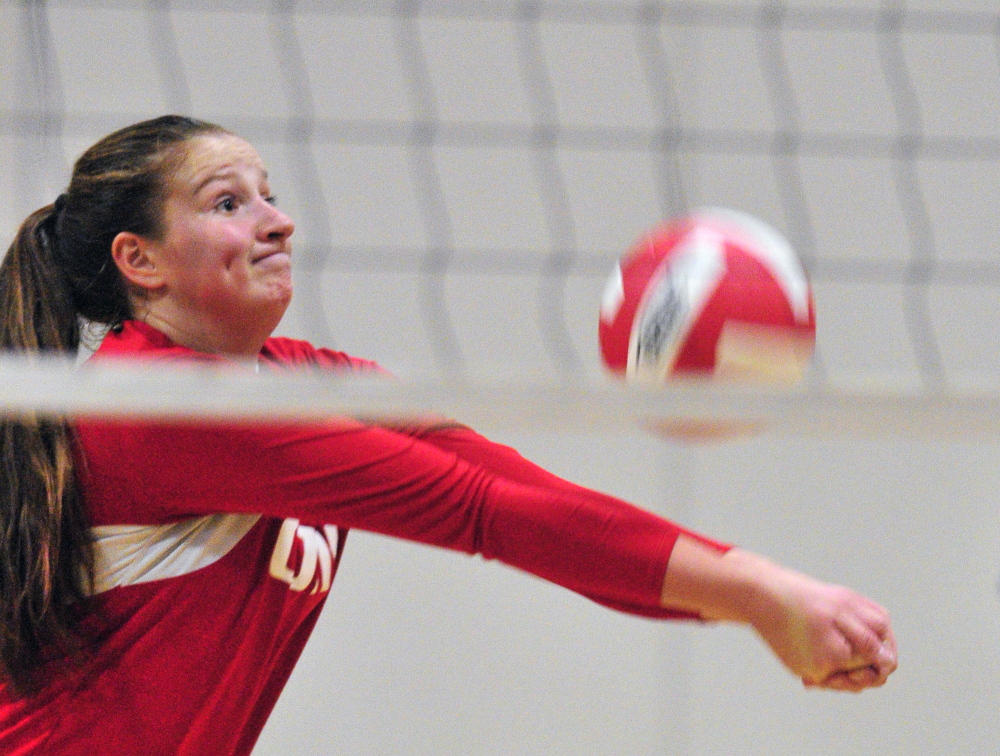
x=507 y=462
x=284 y=353
x=351 y=475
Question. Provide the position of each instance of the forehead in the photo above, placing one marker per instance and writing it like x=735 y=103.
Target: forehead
x=215 y=154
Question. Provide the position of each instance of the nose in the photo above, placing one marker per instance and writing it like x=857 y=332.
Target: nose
x=275 y=224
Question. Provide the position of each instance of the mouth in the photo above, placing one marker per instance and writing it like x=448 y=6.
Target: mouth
x=277 y=256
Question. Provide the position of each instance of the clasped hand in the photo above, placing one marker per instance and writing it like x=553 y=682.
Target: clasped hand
x=829 y=636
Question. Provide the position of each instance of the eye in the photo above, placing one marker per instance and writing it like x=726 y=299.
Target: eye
x=271 y=199
x=226 y=204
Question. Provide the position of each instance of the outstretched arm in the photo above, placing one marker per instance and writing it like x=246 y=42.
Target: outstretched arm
x=352 y=475
x=829 y=636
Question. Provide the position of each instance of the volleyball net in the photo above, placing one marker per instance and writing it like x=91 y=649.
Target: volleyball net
x=464 y=174
x=690 y=410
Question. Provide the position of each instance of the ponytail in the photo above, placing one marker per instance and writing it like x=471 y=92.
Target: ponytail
x=57 y=271
x=46 y=561
x=37 y=310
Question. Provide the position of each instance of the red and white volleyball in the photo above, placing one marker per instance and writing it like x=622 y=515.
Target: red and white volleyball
x=718 y=294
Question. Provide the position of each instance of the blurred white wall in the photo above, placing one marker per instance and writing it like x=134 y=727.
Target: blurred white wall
x=423 y=652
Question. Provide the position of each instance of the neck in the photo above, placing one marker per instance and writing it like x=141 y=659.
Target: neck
x=202 y=334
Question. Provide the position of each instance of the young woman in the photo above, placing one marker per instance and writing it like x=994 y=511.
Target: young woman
x=159 y=581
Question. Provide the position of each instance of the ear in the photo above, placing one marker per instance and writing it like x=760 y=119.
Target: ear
x=136 y=260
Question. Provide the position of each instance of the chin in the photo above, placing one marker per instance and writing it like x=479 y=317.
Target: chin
x=278 y=304
x=278 y=293
x=267 y=307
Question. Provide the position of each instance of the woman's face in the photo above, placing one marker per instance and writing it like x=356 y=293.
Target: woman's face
x=224 y=252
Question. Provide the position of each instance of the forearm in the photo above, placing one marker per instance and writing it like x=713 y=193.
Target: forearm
x=715 y=585
x=827 y=635
x=508 y=463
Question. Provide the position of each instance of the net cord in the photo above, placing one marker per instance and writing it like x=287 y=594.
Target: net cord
x=52 y=386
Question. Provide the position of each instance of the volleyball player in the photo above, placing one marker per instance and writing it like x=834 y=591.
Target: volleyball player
x=158 y=580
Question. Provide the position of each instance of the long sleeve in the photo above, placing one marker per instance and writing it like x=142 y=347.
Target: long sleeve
x=443 y=485
x=507 y=462
x=351 y=475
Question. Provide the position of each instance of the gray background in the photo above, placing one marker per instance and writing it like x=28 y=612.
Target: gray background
x=464 y=175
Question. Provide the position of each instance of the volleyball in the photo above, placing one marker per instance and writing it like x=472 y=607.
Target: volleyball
x=717 y=294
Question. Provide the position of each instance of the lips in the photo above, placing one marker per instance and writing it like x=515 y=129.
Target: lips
x=278 y=255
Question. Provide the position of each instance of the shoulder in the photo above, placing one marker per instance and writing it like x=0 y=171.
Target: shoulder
x=295 y=352
x=138 y=340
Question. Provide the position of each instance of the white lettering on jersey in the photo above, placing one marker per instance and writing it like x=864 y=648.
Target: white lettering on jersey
x=318 y=550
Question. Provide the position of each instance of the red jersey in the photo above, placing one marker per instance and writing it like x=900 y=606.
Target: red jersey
x=216 y=545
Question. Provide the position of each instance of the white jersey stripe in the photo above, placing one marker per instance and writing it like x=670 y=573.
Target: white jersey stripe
x=131 y=554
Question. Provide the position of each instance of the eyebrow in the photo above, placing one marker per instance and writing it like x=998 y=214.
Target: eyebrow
x=220 y=174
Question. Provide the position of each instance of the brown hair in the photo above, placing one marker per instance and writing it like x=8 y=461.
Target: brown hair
x=57 y=273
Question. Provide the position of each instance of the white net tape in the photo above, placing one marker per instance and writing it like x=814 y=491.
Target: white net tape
x=681 y=410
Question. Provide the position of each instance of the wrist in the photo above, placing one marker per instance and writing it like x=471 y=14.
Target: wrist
x=756 y=587
x=736 y=586
x=751 y=588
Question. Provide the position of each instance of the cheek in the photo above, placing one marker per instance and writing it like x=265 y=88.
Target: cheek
x=229 y=248
x=214 y=251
